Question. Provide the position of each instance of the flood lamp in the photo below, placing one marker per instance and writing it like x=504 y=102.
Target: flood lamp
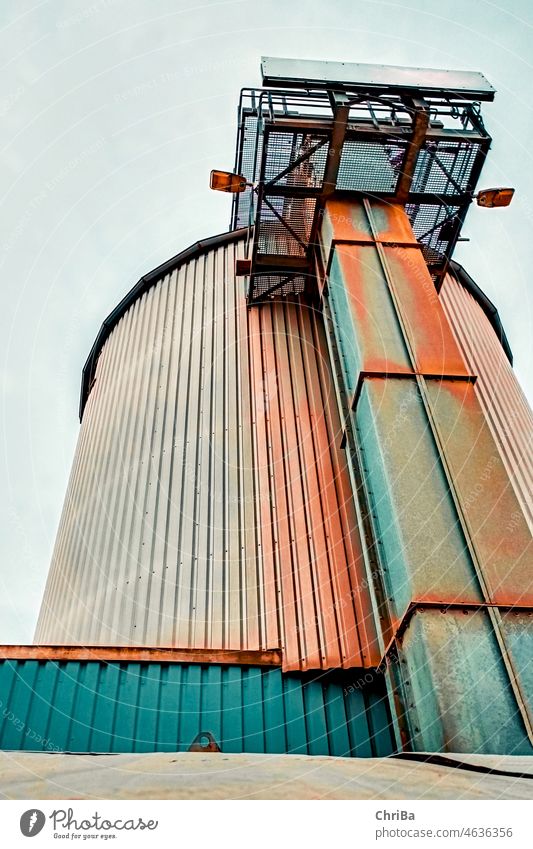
x=226 y=181
x=494 y=197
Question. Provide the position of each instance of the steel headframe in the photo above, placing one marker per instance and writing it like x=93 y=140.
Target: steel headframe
x=420 y=147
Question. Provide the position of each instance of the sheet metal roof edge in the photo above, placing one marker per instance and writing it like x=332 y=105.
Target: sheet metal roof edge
x=204 y=245
x=141 y=654
x=142 y=286
x=486 y=305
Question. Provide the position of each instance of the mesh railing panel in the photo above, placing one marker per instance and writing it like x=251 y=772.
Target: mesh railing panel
x=273 y=237
x=457 y=158
x=425 y=217
x=370 y=166
x=283 y=149
x=245 y=166
x=270 y=286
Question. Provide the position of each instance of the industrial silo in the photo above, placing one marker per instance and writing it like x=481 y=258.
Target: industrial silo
x=299 y=514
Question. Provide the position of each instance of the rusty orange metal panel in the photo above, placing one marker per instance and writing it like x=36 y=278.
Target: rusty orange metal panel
x=351 y=606
x=262 y=481
x=288 y=597
x=129 y=654
x=507 y=411
x=434 y=347
x=345 y=221
x=325 y=612
x=376 y=337
x=496 y=523
x=378 y=274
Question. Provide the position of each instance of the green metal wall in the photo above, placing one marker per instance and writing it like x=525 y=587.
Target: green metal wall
x=145 y=707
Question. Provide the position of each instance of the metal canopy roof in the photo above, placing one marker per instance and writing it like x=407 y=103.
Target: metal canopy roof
x=293 y=73
x=419 y=144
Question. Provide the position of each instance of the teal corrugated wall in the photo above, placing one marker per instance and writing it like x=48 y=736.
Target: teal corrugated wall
x=145 y=707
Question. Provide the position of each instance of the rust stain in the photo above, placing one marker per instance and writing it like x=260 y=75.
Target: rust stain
x=377 y=332
x=347 y=223
x=310 y=539
x=496 y=521
x=271 y=657
x=434 y=346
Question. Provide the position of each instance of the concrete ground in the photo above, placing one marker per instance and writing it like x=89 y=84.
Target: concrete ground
x=27 y=775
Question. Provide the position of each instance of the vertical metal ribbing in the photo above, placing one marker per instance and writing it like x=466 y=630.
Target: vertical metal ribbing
x=183 y=482
x=265 y=501
x=102 y=528
x=170 y=554
x=322 y=543
x=351 y=601
x=105 y=588
x=203 y=517
x=208 y=506
x=124 y=548
x=137 y=598
x=259 y=631
x=208 y=598
x=91 y=706
x=153 y=512
x=309 y=539
x=192 y=452
x=155 y=617
x=98 y=518
x=268 y=420
x=50 y=615
x=73 y=543
x=126 y=506
x=370 y=571
x=508 y=413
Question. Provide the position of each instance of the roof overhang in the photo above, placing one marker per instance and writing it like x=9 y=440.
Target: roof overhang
x=394 y=79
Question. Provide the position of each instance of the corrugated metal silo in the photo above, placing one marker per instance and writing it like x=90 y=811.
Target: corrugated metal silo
x=209 y=505
x=299 y=516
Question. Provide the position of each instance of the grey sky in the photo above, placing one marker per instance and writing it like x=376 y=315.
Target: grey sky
x=113 y=112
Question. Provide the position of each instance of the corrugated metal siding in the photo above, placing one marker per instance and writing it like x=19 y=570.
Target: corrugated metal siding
x=137 y=707
x=209 y=504
x=310 y=542
x=506 y=409
x=157 y=543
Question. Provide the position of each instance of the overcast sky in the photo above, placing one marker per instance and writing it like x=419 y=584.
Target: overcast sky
x=113 y=112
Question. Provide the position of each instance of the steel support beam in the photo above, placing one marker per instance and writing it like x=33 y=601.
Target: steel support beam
x=341 y=111
x=420 y=113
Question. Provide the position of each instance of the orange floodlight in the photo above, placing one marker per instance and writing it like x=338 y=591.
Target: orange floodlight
x=494 y=197
x=225 y=181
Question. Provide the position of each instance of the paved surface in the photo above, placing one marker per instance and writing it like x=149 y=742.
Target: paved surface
x=26 y=775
